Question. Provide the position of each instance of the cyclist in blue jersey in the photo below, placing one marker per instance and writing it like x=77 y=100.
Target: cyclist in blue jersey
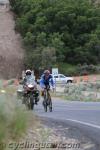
x=46 y=80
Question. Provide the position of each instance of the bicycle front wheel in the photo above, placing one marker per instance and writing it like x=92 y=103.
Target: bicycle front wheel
x=50 y=106
x=45 y=106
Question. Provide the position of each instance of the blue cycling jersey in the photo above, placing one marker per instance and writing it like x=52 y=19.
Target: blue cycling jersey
x=45 y=82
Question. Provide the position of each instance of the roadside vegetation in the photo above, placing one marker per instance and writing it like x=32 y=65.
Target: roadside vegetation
x=14 y=119
x=85 y=69
x=81 y=91
x=19 y=128
x=61 y=31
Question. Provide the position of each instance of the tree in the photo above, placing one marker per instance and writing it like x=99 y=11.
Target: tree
x=70 y=27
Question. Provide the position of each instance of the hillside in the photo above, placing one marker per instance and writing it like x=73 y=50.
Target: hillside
x=11 y=52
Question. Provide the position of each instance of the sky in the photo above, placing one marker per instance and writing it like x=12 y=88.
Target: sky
x=4 y=1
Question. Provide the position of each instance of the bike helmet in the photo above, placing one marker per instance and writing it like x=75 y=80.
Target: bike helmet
x=46 y=72
x=28 y=72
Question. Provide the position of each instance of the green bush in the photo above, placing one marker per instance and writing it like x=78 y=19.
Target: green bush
x=88 y=69
x=67 y=69
x=71 y=27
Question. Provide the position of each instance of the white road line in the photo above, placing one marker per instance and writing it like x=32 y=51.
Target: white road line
x=72 y=120
x=84 y=123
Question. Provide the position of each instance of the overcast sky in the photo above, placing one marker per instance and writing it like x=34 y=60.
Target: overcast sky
x=4 y=1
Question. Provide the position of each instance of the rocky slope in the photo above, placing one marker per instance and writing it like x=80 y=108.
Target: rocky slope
x=11 y=52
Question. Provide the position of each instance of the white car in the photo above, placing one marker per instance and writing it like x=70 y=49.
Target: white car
x=60 y=78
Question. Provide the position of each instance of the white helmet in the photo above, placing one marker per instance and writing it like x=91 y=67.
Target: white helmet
x=28 y=72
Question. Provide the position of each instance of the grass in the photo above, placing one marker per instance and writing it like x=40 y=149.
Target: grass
x=3 y=121
x=13 y=117
x=16 y=123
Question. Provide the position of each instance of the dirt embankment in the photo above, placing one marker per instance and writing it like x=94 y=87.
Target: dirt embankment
x=11 y=52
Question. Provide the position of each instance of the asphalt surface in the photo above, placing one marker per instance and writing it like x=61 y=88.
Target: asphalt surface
x=82 y=115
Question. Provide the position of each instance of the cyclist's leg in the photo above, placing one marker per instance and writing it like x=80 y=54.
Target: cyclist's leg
x=49 y=102
x=42 y=89
x=48 y=96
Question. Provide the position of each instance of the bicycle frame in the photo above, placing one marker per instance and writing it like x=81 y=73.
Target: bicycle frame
x=47 y=100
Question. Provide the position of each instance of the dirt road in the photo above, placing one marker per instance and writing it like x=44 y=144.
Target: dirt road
x=11 y=52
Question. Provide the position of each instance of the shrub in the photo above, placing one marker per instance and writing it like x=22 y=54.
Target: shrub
x=13 y=119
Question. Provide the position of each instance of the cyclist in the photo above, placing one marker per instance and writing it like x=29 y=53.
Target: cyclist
x=46 y=81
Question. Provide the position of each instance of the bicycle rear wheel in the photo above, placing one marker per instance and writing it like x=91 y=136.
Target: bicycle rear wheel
x=50 y=107
x=49 y=102
x=45 y=102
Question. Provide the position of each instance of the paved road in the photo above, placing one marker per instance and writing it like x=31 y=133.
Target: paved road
x=84 y=115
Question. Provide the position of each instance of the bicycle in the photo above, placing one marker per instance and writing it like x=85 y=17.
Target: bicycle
x=47 y=99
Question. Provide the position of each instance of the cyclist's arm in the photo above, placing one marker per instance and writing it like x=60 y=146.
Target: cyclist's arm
x=52 y=82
